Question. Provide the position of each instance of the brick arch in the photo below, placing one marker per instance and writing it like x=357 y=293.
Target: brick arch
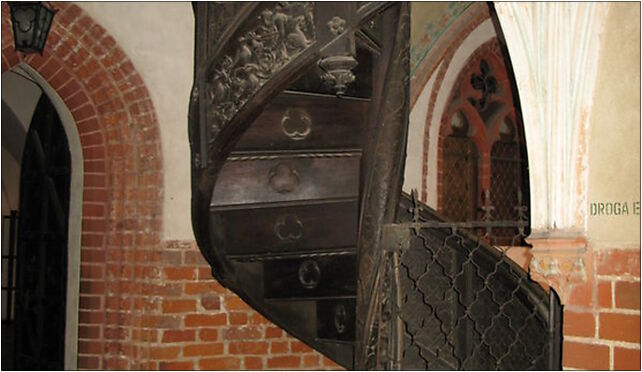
x=122 y=195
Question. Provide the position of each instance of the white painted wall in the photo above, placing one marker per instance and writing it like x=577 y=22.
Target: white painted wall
x=158 y=37
x=614 y=139
x=20 y=97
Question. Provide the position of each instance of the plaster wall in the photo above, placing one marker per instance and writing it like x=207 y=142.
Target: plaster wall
x=429 y=21
x=421 y=14
x=614 y=138
x=159 y=40
x=18 y=108
x=23 y=98
x=415 y=147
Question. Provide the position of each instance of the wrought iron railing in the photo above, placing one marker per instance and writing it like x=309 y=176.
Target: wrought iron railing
x=498 y=227
x=449 y=300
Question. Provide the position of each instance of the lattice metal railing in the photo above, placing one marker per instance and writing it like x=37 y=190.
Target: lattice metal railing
x=449 y=300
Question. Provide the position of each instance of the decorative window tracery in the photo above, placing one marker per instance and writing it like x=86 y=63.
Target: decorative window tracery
x=483 y=166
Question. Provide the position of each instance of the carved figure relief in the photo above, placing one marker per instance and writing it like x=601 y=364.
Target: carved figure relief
x=296 y=123
x=282 y=33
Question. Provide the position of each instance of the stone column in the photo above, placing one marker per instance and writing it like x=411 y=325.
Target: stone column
x=554 y=49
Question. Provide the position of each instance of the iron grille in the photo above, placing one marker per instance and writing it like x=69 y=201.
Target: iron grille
x=505 y=184
x=452 y=301
x=460 y=182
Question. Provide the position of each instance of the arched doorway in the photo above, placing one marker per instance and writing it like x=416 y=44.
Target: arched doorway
x=41 y=280
x=35 y=115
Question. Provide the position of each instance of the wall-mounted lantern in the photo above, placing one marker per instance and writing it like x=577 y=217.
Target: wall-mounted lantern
x=31 y=22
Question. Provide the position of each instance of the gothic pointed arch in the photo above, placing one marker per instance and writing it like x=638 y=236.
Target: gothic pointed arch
x=482 y=114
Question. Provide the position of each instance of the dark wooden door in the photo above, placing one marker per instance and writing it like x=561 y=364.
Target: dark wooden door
x=42 y=245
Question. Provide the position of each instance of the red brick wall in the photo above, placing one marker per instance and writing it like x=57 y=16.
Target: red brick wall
x=191 y=322
x=602 y=313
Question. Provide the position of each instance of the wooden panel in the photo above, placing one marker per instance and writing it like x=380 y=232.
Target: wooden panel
x=312 y=277
x=336 y=319
x=289 y=229
x=305 y=121
x=287 y=178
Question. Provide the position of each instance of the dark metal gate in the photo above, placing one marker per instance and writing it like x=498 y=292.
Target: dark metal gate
x=446 y=299
x=42 y=243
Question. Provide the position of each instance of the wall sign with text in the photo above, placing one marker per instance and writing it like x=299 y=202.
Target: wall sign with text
x=615 y=208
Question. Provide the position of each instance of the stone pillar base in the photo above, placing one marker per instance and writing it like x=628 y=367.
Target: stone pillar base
x=561 y=263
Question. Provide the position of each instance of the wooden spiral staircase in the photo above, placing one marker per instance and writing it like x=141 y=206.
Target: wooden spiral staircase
x=298 y=124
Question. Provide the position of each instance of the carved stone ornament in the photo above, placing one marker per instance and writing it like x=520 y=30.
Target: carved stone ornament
x=337 y=25
x=484 y=82
x=338 y=72
x=280 y=35
x=296 y=124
